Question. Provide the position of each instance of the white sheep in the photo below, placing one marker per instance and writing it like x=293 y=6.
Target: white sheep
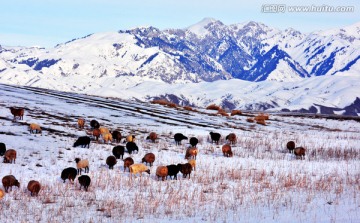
x=192 y=163
x=107 y=137
x=82 y=164
x=130 y=138
x=34 y=127
x=104 y=130
x=138 y=168
x=2 y=194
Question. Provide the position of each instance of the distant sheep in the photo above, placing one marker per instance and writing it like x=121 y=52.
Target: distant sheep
x=131 y=146
x=191 y=153
x=2 y=148
x=104 y=130
x=193 y=141
x=116 y=136
x=82 y=164
x=34 y=128
x=96 y=134
x=17 y=112
x=185 y=169
x=290 y=146
x=9 y=181
x=118 y=151
x=300 y=152
x=162 y=171
x=152 y=137
x=215 y=137
x=69 y=173
x=10 y=156
x=173 y=170
x=81 y=123
x=2 y=194
x=231 y=138
x=148 y=158
x=130 y=138
x=111 y=161
x=178 y=137
x=84 y=181
x=193 y=164
x=138 y=168
x=94 y=124
x=107 y=137
x=34 y=187
x=128 y=162
x=226 y=149
x=82 y=141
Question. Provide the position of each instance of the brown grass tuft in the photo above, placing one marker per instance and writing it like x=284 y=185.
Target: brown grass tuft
x=188 y=108
x=213 y=107
x=236 y=112
x=164 y=103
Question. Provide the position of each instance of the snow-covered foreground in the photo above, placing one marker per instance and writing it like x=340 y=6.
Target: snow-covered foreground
x=260 y=183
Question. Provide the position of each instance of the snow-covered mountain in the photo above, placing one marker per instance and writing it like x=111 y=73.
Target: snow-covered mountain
x=208 y=51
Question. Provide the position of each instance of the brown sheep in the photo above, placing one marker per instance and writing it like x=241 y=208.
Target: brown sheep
x=81 y=123
x=185 y=169
x=148 y=158
x=191 y=153
x=226 y=149
x=2 y=194
x=34 y=187
x=162 y=171
x=290 y=146
x=232 y=138
x=9 y=181
x=152 y=137
x=128 y=162
x=96 y=134
x=9 y=156
x=17 y=112
x=116 y=136
x=300 y=152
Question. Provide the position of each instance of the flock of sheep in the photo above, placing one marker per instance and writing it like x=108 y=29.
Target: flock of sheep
x=162 y=172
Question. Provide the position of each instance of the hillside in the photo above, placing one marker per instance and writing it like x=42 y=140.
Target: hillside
x=261 y=182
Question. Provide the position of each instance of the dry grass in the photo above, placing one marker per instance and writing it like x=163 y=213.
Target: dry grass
x=251 y=120
x=213 y=107
x=164 y=103
x=236 y=112
x=188 y=108
x=222 y=112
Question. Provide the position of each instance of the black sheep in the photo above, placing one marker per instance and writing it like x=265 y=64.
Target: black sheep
x=82 y=141
x=2 y=148
x=94 y=124
x=131 y=146
x=69 y=173
x=178 y=137
x=215 y=137
x=84 y=181
x=116 y=136
x=185 y=169
x=173 y=170
x=193 y=141
x=111 y=161
x=118 y=151
x=290 y=146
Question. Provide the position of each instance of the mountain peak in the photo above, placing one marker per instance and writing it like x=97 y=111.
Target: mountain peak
x=201 y=28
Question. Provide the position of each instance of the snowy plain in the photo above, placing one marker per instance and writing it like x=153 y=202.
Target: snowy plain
x=262 y=182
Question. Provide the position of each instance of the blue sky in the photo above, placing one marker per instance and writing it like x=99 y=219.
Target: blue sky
x=47 y=23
